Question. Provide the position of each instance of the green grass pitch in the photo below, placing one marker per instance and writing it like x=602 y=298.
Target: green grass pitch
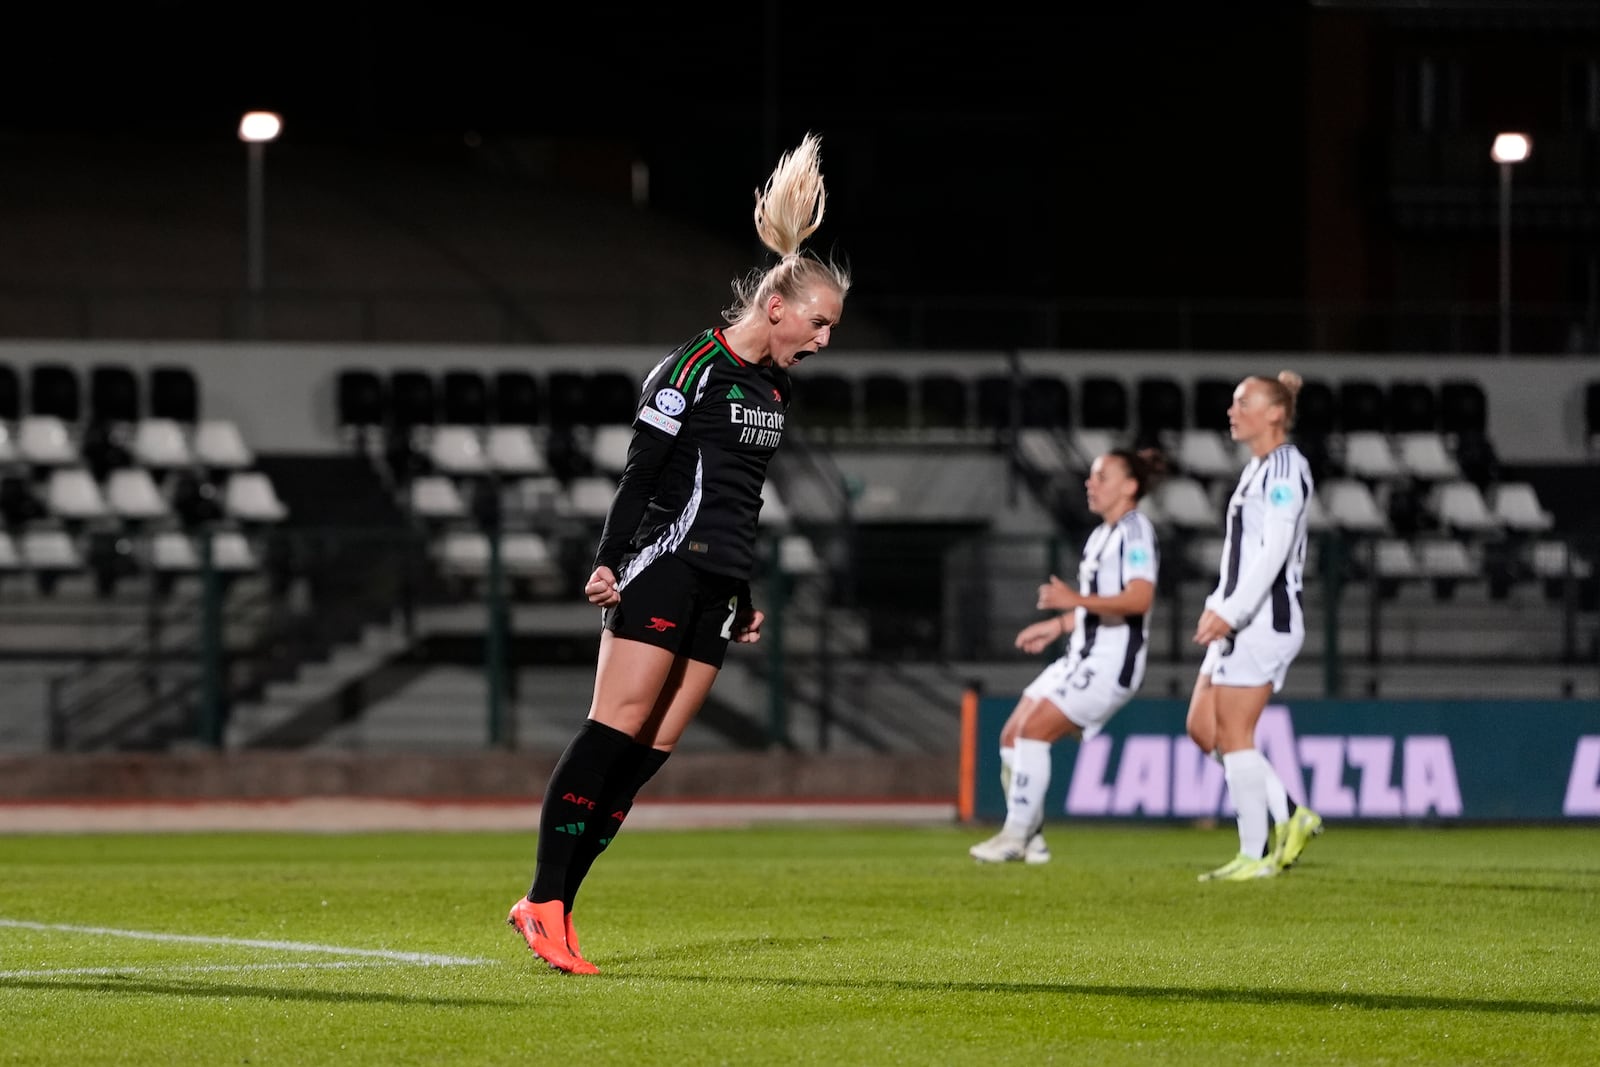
x=804 y=944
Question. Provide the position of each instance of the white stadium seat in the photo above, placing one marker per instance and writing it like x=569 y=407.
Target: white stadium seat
x=609 y=449
x=1207 y=454
x=44 y=440
x=1351 y=506
x=1183 y=502
x=435 y=496
x=218 y=444
x=72 y=493
x=132 y=493
x=1516 y=505
x=161 y=444
x=250 y=497
x=1368 y=454
x=1424 y=456
x=457 y=450
x=44 y=549
x=1460 y=506
x=513 y=450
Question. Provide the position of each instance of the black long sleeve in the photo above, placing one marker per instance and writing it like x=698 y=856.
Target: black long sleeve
x=647 y=455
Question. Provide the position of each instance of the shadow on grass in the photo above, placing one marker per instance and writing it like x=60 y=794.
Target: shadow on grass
x=1315 y=998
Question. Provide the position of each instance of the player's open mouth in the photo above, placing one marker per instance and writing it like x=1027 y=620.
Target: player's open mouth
x=798 y=356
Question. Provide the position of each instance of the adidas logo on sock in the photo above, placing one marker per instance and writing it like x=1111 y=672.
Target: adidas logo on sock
x=569 y=828
x=735 y=394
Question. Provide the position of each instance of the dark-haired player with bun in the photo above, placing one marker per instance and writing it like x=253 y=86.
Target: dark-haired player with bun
x=674 y=562
x=1108 y=617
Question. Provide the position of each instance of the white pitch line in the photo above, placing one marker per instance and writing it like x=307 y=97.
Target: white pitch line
x=426 y=958
x=202 y=968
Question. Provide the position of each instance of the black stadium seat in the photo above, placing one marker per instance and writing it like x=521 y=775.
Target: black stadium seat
x=1316 y=411
x=944 y=401
x=10 y=393
x=412 y=400
x=824 y=401
x=1463 y=407
x=113 y=394
x=53 y=390
x=465 y=400
x=1362 y=406
x=516 y=398
x=994 y=401
x=1046 y=402
x=613 y=398
x=174 y=394
x=569 y=398
x=1105 y=404
x=1160 y=404
x=886 y=401
x=1412 y=407
x=1209 y=403
x=361 y=399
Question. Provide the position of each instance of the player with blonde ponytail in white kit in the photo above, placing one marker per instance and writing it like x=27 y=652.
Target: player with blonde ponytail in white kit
x=1253 y=626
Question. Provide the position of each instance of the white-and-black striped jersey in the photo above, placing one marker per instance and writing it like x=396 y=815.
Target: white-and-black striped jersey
x=708 y=423
x=1114 y=555
x=1264 y=545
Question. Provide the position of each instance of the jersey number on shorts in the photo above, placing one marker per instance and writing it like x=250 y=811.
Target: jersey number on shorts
x=733 y=610
x=1084 y=679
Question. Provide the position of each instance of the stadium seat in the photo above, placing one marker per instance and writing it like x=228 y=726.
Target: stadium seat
x=1361 y=406
x=1041 y=450
x=994 y=396
x=249 y=496
x=1447 y=561
x=218 y=445
x=72 y=494
x=824 y=401
x=465 y=399
x=1369 y=454
x=609 y=448
x=19 y=503
x=457 y=449
x=1463 y=408
x=10 y=394
x=885 y=402
x=1412 y=407
x=516 y=398
x=1210 y=399
x=10 y=557
x=774 y=513
x=8 y=445
x=1394 y=559
x=613 y=399
x=1351 y=506
x=44 y=441
x=53 y=390
x=49 y=550
x=1159 y=401
x=1425 y=456
x=161 y=445
x=1207 y=454
x=174 y=394
x=589 y=497
x=113 y=394
x=1459 y=507
x=1516 y=505
x=1046 y=402
x=412 y=400
x=511 y=449
x=133 y=495
x=1315 y=410
x=798 y=556
x=362 y=399
x=943 y=402
x=569 y=398
x=1088 y=444
x=1183 y=502
x=435 y=496
x=1104 y=404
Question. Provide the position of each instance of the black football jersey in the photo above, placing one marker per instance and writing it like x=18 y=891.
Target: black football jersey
x=708 y=422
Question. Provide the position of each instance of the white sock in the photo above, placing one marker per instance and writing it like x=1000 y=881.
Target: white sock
x=1030 y=780
x=1246 y=773
x=1277 y=795
x=1008 y=759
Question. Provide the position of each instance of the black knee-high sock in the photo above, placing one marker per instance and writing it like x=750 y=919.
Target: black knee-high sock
x=641 y=765
x=571 y=803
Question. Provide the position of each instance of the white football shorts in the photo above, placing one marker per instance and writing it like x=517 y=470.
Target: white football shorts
x=1084 y=691
x=1255 y=657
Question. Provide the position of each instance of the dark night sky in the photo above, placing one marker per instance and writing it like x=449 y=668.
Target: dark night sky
x=983 y=150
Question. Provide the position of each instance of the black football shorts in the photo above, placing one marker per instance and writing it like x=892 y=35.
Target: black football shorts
x=674 y=606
